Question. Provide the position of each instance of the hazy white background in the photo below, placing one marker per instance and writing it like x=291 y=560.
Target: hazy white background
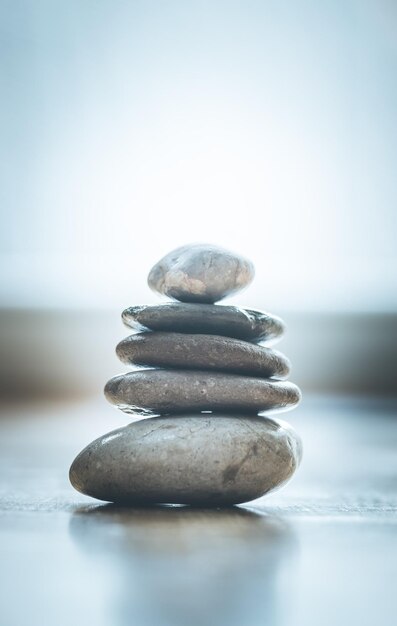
x=128 y=128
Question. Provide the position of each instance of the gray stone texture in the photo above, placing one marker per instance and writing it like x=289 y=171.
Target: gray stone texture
x=160 y=392
x=188 y=459
x=210 y=319
x=205 y=352
x=200 y=273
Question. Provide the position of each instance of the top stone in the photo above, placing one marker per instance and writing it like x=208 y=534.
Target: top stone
x=200 y=273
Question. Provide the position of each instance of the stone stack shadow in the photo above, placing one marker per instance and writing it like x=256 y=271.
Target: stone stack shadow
x=203 y=375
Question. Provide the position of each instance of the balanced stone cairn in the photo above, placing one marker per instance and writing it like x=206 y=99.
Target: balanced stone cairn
x=207 y=379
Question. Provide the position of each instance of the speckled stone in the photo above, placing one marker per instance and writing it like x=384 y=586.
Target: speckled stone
x=210 y=319
x=160 y=392
x=188 y=459
x=200 y=273
x=203 y=352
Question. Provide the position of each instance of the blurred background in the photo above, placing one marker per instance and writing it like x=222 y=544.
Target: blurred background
x=130 y=128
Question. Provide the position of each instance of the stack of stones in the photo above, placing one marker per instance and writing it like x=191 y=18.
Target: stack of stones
x=207 y=380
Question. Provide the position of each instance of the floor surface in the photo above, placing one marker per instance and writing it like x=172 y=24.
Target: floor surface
x=322 y=551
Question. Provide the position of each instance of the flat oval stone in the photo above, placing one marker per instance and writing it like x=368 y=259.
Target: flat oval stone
x=210 y=319
x=188 y=459
x=159 y=392
x=200 y=273
x=205 y=352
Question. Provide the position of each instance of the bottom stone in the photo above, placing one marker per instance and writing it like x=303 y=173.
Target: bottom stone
x=200 y=459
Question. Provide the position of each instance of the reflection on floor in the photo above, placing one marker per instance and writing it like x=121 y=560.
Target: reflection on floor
x=321 y=551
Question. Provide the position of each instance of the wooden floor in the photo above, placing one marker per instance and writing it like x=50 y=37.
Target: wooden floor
x=321 y=552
